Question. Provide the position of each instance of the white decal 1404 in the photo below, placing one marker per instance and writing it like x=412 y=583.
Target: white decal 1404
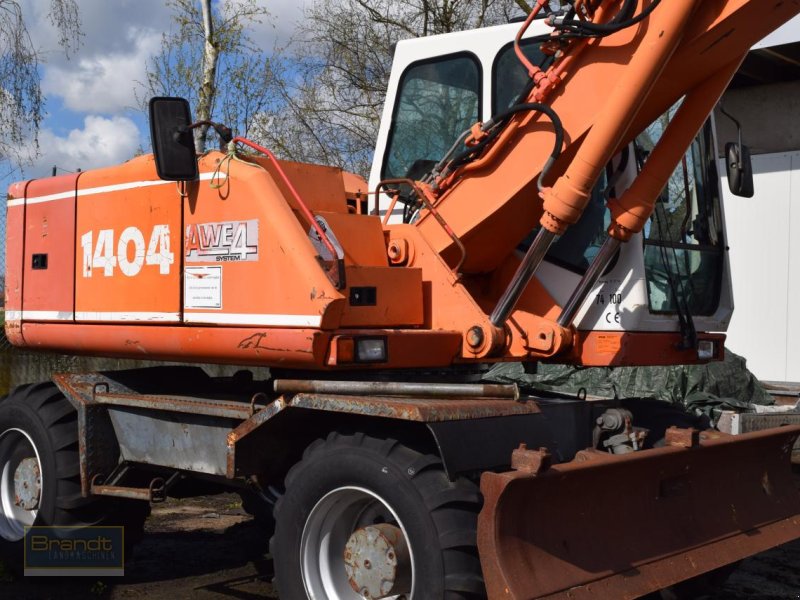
x=100 y=253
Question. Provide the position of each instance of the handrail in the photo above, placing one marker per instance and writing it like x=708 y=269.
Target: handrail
x=339 y=278
x=302 y=205
x=431 y=209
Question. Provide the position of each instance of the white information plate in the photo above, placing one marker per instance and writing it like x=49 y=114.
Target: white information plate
x=202 y=287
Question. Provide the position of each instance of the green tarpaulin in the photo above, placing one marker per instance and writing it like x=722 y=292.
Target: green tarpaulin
x=720 y=384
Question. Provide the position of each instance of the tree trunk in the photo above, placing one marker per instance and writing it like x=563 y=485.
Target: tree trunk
x=205 y=100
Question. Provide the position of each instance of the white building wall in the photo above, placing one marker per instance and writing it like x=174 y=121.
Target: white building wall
x=764 y=241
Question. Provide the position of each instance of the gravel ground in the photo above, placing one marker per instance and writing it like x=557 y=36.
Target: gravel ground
x=208 y=548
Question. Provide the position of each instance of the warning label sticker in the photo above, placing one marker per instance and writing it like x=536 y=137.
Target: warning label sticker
x=609 y=343
x=202 y=287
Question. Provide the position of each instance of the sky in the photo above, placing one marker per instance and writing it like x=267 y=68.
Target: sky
x=92 y=115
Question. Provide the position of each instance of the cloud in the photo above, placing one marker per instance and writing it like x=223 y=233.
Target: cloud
x=101 y=142
x=103 y=83
x=278 y=29
x=104 y=25
x=103 y=75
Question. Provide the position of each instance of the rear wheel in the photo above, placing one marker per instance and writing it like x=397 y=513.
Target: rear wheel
x=364 y=517
x=40 y=474
x=260 y=505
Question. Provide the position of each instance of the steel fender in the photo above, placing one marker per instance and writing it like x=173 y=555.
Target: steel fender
x=486 y=444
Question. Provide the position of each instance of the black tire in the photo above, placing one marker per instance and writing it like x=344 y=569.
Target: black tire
x=439 y=516
x=260 y=506
x=49 y=422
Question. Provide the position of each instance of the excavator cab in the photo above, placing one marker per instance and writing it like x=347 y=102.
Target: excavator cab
x=672 y=276
x=675 y=273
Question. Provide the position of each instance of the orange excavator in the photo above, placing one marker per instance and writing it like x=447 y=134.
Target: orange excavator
x=382 y=462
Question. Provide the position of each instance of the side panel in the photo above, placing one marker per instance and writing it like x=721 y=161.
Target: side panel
x=765 y=269
x=49 y=258
x=127 y=268
x=248 y=260
x=15 y=238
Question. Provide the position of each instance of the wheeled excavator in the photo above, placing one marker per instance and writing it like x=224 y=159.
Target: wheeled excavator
x=543 y=192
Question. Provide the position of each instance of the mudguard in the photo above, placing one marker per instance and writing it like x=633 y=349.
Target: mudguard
x=621 y=526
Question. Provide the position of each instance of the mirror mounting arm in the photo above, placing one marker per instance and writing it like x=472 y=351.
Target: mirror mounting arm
x=223 y=131
x=735 y=122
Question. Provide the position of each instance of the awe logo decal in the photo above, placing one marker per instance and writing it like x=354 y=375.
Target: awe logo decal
x=229 y=241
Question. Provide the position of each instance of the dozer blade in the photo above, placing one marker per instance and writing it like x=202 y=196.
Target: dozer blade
x=621 y=526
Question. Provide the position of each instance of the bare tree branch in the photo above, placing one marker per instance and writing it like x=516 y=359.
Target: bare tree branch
x=332 y=82
x=209 y=59
x=21 y=100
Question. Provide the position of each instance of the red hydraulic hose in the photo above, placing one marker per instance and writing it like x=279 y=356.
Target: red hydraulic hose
x=303 y=208
x=530 y=67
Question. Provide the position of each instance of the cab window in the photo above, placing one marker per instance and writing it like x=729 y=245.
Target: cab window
x=437 y=101
x=683 y=241
x=509 y=77
x=576 y=249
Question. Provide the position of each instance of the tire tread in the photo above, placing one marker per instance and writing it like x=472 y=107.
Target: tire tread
x=45 y=403
x=453 y=505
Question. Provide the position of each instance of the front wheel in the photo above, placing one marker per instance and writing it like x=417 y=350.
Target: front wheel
x=364 y=517
x=40 y=473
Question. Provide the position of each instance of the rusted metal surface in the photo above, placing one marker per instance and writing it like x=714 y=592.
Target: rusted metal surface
x=392 y=388
x=180 y=404
x=97 y=388
x=181 y=432
x=431 y=411
x=532 y=462
x=246 y=428
x=680 y=512
x=682 y=438
x=415 y=409
x=378 y=562
x=155 y=493
x=201 y=434
x=27 y=484
x=748 y=422
x=102 y=454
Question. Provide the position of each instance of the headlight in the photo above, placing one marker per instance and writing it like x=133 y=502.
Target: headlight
x=370 y=349
x=706 y=349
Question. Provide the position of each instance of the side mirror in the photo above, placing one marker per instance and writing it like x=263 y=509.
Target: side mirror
x=740 y=170
x=738 y=163
x=173 y=142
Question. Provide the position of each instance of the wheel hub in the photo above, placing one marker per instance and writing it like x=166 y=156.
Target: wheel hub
x=377 y=561
x=27 y=484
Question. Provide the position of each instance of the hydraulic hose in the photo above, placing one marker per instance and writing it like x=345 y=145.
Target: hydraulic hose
x=551 y=114
x=609 y=28
x=493 y=123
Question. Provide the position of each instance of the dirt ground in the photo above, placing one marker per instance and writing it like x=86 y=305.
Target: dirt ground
x=209 y=548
